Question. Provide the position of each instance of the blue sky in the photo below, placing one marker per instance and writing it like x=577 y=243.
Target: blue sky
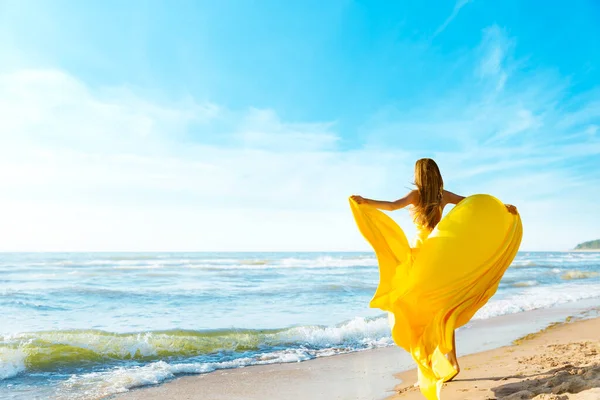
x=244 y=125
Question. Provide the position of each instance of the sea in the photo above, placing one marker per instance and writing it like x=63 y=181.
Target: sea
x=89 y=325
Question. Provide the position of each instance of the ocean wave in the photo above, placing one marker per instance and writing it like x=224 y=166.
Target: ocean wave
x=525 y=283
x=97 y=385
x=47 y=351
x=574 y=274
x=12 y=362
x=536 y=297
x=30 y=305
x=141 y=266
x=202 y=290
x=255 y=262
x=329 y=262
x=142 y=263
x=285 y=263
x=523 y=263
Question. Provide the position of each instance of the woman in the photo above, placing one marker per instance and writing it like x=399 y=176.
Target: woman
x=428 y=201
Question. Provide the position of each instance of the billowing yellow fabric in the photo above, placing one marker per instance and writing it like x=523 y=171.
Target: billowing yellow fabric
x=437 y=285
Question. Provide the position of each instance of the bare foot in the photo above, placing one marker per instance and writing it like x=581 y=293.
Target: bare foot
x=457 y=368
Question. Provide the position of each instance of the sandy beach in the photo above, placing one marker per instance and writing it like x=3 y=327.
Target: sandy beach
x=560 y=361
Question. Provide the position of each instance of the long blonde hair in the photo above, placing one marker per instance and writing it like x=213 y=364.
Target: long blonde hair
x=428 y=180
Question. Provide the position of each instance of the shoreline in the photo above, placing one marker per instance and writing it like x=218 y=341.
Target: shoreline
x=368 y=374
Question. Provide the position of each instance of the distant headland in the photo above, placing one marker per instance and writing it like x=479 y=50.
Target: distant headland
x=591 y=245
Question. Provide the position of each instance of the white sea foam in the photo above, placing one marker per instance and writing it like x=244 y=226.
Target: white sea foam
x=538 y=297
x=12 y=363
x=309 y=263
x=354 y=335
x=328 y=261
x=524 y=263
x=358 y=332
x=100 y=384
x=118 y=380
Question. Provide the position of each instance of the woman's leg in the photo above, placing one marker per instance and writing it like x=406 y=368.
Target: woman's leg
x=452 y=356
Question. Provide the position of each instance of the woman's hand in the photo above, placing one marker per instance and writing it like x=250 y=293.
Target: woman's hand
x=359 y=199
x=511 y=209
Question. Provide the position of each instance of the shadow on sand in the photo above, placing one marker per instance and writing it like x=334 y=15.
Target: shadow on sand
x=555 y=384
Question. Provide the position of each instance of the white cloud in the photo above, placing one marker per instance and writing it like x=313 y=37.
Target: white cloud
x=495 y=50
x=589 y=112
x=76 y=165
x=457 y=7
x=263 y=129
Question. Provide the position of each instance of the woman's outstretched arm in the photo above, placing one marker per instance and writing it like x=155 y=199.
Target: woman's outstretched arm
x=410 y=198
x=452 y=198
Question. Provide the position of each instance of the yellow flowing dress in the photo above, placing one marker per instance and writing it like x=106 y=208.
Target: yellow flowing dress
x=437 y=285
